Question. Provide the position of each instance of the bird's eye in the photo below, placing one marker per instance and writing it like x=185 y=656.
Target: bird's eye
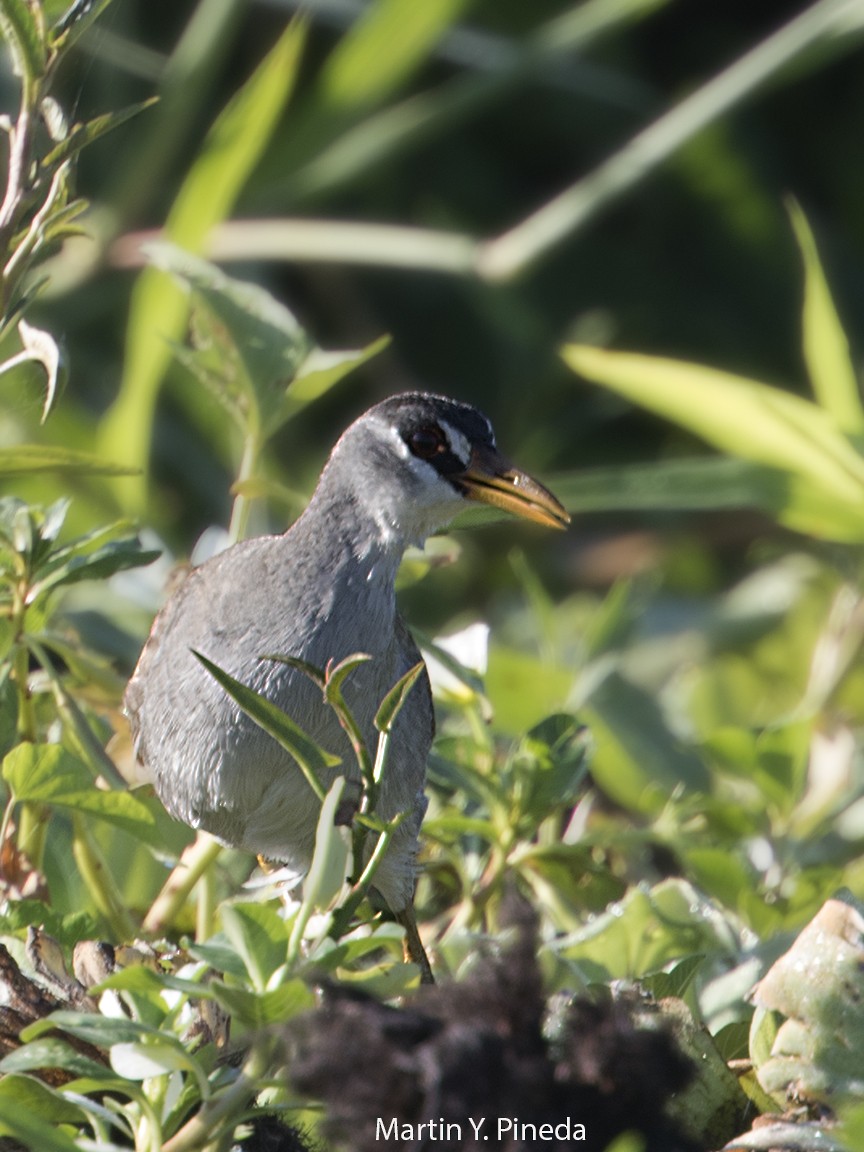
x=427 y=442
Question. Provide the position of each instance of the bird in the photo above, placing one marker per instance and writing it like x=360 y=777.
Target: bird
x=323 y=590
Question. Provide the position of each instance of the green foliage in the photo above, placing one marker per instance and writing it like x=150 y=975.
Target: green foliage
x=810 y=470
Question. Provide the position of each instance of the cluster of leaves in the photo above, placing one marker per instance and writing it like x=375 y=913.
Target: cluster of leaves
x=40 y=209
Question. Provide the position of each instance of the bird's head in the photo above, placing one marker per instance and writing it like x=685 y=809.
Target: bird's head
x=415 y=460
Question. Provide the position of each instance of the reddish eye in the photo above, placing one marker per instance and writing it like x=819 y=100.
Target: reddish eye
x=427 y=442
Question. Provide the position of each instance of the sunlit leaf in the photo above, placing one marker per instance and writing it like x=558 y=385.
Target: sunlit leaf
x=22 y=30
x=329 y=870
x=43 y=348
x=826 y=348
x=743 y=417
x=259 y=935
x=394 y=701
x=256 y=338
x=262 y=1010
x=158 y=313
x=31 y=1130
x=646 y=930
x=52 y=1052
x=48 y=774
x=29 y=458
x=83 y=134
x=135 y=1060
x=75 y=21
x=383 y=48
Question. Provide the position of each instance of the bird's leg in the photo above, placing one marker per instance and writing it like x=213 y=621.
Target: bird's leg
x=414 y=950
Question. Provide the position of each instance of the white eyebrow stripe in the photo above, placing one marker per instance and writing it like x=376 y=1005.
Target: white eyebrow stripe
x=459 y=445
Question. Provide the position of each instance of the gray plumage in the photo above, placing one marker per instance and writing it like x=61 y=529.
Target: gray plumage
x=323 y=590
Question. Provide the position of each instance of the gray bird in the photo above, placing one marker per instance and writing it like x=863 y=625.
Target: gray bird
x=322 y=591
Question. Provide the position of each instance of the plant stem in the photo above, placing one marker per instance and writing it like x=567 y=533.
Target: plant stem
x=198 y=1132
x=188 y=871
x=100 y=884
x=248 y=466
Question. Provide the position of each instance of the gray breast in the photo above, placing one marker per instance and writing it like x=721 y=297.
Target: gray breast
x=212 y=766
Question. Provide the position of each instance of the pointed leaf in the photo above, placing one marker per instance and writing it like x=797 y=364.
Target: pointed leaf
x=826 y=348
x=328 y=872
x=311 y=759
x=392 y=703
x=383 y=48
x=336 y=674
x=103 y=1031
x=52 y=1052
x=259 y=936
x=20 y=25
x=43 y=348
x=739 y=416
x=231 y=150
x=48 y=774
x=321 y=370
x=257 y=340
x=112 y=557
x=29 y=458
x=315 y=674
x=29 y=1130
x=83 y=134
x=75 y=21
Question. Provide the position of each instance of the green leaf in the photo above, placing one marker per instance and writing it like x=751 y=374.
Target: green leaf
x=18 y=915
x=25 y=459
x=637 y=761
x=524 y=688
x=337 y=674
x=739 y=416
x=383 y=48
x=20 y=25
x=231 y=150
x=32 y=1131
x=141 y=1059
x=41 y=347
x=52 y=1052
x=256 y=341
x=311 y=759
x=103 y=1031
x=826 y=348
x=673 y=485
x=74 y=23
x=261 y=1010
x=33 y=1096
x=329 y=870
x=321 y=370
x=393 y=702
x=94 y=556
x=48 y=774
x=83 y=134
x=260 y=936
x=647 y=930
x=676 y=981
